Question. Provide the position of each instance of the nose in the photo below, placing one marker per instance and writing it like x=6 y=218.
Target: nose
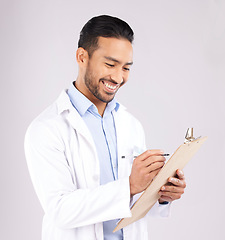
x=117 y=76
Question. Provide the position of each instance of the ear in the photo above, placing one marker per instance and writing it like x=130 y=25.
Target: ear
x=82 y=56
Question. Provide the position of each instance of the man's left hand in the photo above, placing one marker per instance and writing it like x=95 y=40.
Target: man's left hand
x=174 y=189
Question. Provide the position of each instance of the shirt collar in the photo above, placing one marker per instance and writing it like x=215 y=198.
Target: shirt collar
x=83 y=104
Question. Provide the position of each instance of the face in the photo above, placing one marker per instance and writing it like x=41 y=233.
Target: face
x=108 y=69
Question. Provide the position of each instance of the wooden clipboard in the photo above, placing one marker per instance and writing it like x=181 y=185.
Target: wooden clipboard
x=150 y=196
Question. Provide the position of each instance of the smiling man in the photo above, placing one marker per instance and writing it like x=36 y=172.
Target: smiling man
x=103 y=72
x=81 y=150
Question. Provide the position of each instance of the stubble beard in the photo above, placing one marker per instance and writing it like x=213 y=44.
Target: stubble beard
x=94 y=88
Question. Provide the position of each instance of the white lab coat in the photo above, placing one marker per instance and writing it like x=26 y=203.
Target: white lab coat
x=64 y=169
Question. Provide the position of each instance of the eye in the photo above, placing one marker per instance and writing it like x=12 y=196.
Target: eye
x=126 y=69
x=110 y=65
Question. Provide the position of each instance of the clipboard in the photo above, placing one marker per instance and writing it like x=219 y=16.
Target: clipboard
x=150 y=196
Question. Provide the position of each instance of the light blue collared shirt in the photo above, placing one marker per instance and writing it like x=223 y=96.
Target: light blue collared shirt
x=104 y=135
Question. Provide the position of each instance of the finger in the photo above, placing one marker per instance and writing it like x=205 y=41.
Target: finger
x=154 y=166
x=177 y=182
x=172 y=189
x=169 y=195
x=180 y=174
x=156 y=152
x=149 y=153
x=154 y=159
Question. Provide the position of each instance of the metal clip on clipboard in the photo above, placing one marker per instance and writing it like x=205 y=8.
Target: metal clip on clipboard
x=189 y=137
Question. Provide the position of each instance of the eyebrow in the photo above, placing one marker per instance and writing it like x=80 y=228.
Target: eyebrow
x=117 y=61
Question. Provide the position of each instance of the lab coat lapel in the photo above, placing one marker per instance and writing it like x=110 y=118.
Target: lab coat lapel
x=75 y=120
x=79 y=125
x=87 y=147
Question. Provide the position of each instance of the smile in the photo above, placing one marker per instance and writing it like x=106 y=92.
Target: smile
x=110 y=86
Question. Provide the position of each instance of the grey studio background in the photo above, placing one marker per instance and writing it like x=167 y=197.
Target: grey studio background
x=177 y=81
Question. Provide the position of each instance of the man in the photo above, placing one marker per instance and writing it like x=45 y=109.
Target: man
x=80 y=151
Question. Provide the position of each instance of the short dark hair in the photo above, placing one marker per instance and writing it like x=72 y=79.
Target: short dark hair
x=103 y=26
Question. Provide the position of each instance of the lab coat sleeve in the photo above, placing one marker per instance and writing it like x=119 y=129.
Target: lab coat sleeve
x=62 y=201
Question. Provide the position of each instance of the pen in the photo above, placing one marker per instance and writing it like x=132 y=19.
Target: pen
x=164 y=155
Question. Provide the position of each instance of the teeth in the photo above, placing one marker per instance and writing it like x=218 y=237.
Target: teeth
x=110 y=86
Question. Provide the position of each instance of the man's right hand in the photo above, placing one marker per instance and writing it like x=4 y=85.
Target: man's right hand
x=145 y=167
